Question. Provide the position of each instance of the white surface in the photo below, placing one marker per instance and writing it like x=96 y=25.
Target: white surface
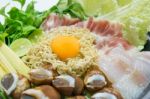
x=40 y=5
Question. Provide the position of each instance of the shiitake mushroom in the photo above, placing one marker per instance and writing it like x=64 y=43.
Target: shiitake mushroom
x=64 y=84
x=14 y=84
x=107 y=93
x=95 y=80
x=22 y=85
x=9 y=82
x=41 y=76
x=68 y=85
x=79 y=86
x=76 y=97
x=41 y=92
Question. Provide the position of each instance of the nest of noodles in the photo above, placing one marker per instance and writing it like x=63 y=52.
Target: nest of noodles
x=41 y=53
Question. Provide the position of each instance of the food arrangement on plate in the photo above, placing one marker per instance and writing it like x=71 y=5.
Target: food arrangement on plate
x=78 y=49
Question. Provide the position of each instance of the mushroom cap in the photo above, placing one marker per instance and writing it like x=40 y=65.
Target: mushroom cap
x=95 y=80
x=79 y=86
x=9 y=82
x=41 y=92
x=108 y=93
x=76 y=97
x=65 y=84
x=22 y=85
x=41 y=76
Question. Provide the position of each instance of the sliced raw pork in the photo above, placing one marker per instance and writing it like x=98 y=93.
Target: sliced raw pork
x=109 y=34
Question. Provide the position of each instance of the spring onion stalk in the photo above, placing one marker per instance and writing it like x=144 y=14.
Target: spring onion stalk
x=13 y=61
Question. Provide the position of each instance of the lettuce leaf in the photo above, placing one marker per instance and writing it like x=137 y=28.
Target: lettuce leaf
x=135 y=18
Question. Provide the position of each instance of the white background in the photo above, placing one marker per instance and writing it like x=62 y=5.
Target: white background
x=41 y=5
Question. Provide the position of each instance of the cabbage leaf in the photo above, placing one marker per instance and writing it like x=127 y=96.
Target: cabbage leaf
x=135 y=18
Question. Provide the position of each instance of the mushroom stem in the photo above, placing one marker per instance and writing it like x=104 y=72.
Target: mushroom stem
x=107 y=93
x=22 y=85
x=65 y=84
x=41 y=76
x=95 y=80
x=41 y=92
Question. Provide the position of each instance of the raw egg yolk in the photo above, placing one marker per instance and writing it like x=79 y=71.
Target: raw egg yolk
x=65 y=46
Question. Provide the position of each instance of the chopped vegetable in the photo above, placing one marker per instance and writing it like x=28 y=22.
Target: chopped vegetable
x=21 y=46
x=36 y=36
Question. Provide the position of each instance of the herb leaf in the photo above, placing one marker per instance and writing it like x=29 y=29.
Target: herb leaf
x=20 y=23
x=2 y=10
x=22 y=2
x=30 y=8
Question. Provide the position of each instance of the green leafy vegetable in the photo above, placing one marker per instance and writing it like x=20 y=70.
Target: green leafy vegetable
x=36 y=36
x=74 y=9
x=22 y=2
x=134 y=17
x=1 y=28
x=2 y=94
x=136 y=21
x=101 y=7
x=87 y=94
x=2 y=10
x=2 y=34
x=124 y=2
x=20 y=23
x=21 y=46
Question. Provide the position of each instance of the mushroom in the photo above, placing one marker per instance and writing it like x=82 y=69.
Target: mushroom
x=41 y=92
x=107 y=93
x=48 y=66
x=41 y=76
x=65 y=84
x=76 y=97
x=22 y=85
x=79 y=86
x=95 y=80
x=68 y=85
x=9 y=82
